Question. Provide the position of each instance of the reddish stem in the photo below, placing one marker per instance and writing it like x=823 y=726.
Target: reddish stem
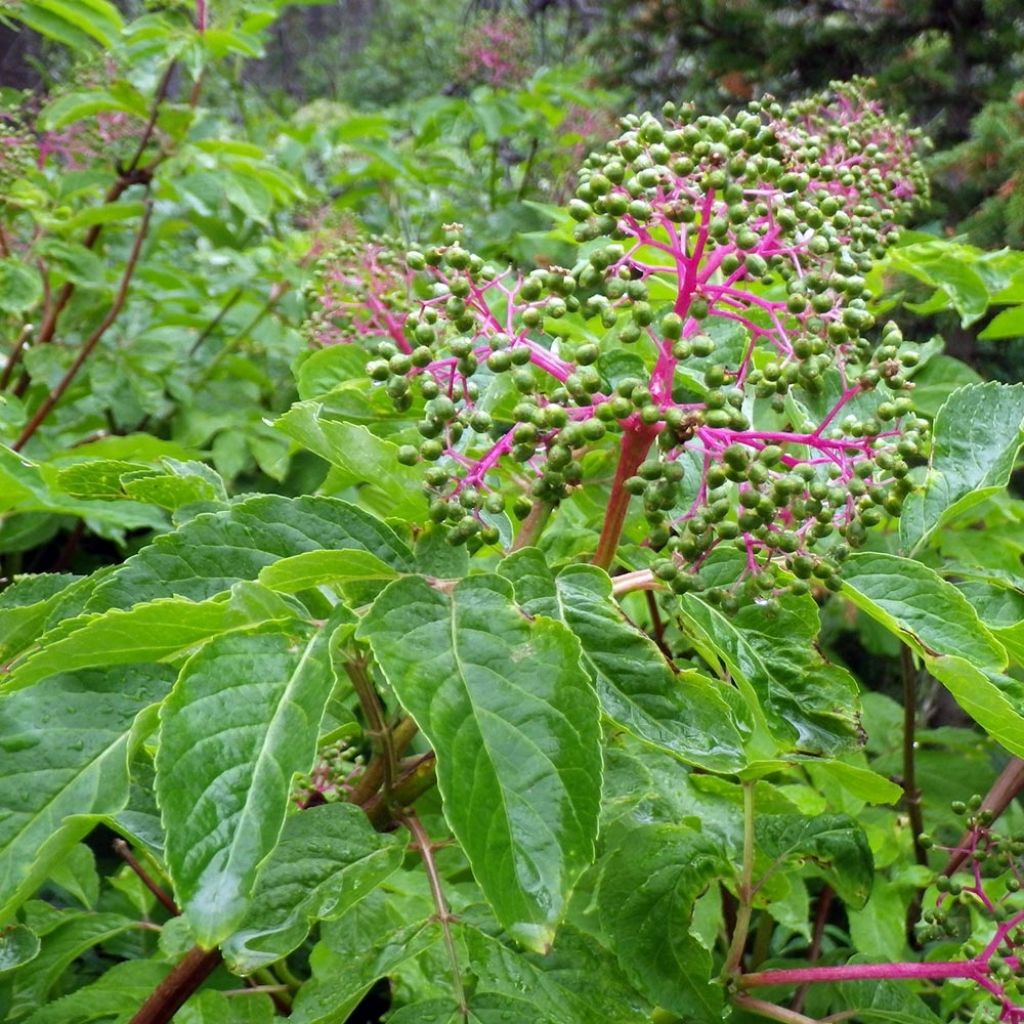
x=636 y=443
x=973 y=969
x=173 y=992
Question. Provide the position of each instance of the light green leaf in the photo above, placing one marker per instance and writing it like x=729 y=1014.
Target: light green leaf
x=151 y=631
x=365 y=460
x=65 y=745
x=890 y=1002
x=879 y=928
x=73 y=22
x=683 y=714
x=920 y=607
x=242 y=719
x=648 y=888
x=26 y=606
x=514 y=722
x=20 y=286
x=978 y=692
x=834 y=844
x=328 y=859
x=314 y=568
x=76 y=873
x=791 y=692
x=562 y=987
x=1007 y=324
x=212 y=1007
x=861 y=783
x=214 y=550
x=977 y=434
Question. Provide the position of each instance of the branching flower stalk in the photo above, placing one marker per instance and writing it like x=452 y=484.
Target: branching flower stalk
x=987 y=886
x=713 y=330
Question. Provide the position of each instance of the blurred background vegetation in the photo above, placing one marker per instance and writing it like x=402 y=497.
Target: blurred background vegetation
x=293 y=130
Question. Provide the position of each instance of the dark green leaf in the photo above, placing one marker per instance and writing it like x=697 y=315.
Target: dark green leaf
x=328 y=859
x=684 y=715
x=833 y=843
x=648 y=888
x=65 y=745
x=513 y=719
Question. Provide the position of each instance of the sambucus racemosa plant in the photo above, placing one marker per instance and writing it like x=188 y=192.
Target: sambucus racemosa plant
x=620 y=801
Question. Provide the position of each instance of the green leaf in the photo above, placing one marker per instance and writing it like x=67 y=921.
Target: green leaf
x=891 y=1002
x=365 y=460
x=861 y=783
x=18 y=945
x=948 y=268
x=121 y=990
x=26 y=606
x=60 y=948
x=20 y=286
x=563 y=986
x=879 y=928
x=115 y=996
x=514 y=722
x=242 y=719
x=212 y=1007
x=76 y=873
x=979 y=693
x=920 y=607
x=214 y=550
x=682 y=714
x=645 y=899
x=792 y=693
x=73 y=22
x=82 y=104
x=1007 y=324
x=65 y=745
x=353 y=952
x=314 y=568
x=833 y=843
x=151 y=631
x=977 y=434
x=328 y=859
x=23 y=489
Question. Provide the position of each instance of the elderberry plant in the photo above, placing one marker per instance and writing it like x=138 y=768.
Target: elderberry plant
x=714 y=331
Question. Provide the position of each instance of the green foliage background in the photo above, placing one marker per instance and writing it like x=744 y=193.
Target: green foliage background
x=212 y=562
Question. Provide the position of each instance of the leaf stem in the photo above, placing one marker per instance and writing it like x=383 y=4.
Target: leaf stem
x=905 y=971
x=744 y=910
x=380 y=734
x=533 y=525
x=911 y=794
x=369 y=782
x=173 y=992
x=17 y=349
x=123 y=850
x=771 y=1010
x=127 y=176
x=443 y=914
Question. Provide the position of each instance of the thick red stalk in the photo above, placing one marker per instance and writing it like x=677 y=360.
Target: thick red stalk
x=974 y=969
x=636 y=443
